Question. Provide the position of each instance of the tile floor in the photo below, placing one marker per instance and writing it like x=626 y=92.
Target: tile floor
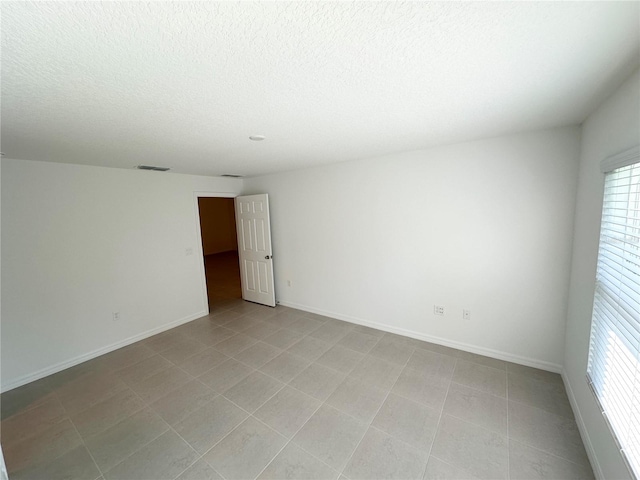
x=252 y=392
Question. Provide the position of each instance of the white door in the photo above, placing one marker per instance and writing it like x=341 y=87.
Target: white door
x=254 y=249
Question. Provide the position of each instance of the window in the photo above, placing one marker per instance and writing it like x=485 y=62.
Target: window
x=614 y=352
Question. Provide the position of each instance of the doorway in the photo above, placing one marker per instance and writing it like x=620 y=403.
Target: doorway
x=220 y=249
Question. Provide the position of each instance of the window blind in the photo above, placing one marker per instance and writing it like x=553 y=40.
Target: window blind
x=614 y=353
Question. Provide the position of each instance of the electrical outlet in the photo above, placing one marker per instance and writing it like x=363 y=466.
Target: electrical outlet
x=438 y=310
x=116 y=316
x=466 y=314
x=188 y=252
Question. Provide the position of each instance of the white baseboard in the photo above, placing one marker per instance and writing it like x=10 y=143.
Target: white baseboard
x=509 y=357
x=591 y=453
x=31 y=377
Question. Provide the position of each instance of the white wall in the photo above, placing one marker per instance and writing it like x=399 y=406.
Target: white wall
x=485 y=225
x=611 y=128
x=79 y=243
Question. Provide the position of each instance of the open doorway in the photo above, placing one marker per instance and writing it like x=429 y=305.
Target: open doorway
x=220 y=249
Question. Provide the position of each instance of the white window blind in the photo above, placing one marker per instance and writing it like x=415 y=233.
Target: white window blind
x=614 y=353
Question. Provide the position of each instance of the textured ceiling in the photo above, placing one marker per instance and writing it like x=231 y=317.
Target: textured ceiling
x=183 y=84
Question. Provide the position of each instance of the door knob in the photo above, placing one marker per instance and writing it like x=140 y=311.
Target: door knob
x=268 y=257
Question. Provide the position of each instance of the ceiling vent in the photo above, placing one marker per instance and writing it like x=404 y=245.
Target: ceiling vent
x=151 y=167
x=231 y=175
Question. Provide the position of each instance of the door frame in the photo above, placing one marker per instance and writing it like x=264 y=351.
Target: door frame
x=199 y=250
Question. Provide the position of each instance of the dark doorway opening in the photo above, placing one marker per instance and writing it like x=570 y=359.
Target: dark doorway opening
x=220 y=249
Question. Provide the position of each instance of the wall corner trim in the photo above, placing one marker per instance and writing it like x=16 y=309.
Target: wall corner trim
x=582 y=428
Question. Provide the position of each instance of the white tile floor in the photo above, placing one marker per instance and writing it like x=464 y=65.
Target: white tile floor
x=252 y=392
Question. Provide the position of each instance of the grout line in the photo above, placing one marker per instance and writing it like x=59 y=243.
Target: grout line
x=39 y=403
x=482 y=427
x=537 y=447
x=250 y=314
x=146 y=406
x=81 y=440
x=198 y=456
x=105 y=399
x=546 y=412
x=348 y=374
x=441 y=412
x=321 y=404
x=64 y=417
x=171 y=428
x=290 y=440
x=249 y=414
x=101 y=473
x=549 y=453
x=376 y=414
x=458 y=467
x=259 y=406
x=479 y=390
x=324 y=402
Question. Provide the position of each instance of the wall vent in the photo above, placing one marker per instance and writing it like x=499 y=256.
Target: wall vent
x=152 y=167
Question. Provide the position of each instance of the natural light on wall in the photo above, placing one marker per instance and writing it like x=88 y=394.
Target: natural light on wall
x=614 y=354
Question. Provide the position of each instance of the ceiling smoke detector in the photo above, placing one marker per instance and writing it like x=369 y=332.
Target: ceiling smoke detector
x=231 y=175
x=257 y=138
x=154 y=168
